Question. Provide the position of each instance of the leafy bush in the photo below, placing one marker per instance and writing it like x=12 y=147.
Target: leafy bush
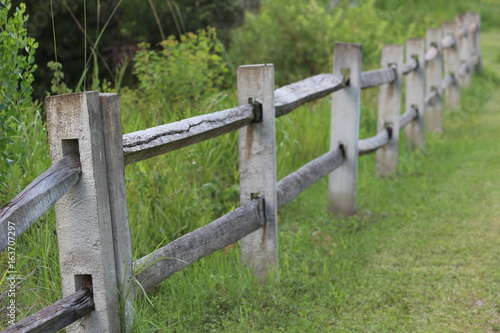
x=184 y=71
x=16 y=76
x=298 y=35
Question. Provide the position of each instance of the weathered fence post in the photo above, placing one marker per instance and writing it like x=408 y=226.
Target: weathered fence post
x=474 y=25
x=115 y=166
x=345 y=127
x=83 y=215
x=389 y=110
x=464 y=51
x=433 y=77
x=451 y=65
x=415 y=93
x=257 y=163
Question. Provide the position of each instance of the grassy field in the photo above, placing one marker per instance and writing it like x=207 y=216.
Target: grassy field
x=420 y=255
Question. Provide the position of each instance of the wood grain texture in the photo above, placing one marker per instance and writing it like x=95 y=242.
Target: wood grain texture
x=407 y=117
x=257 y=165
x=83 y=217
x=144 y=144
x=464 y=70
x=344 y=129
x=38 y=197
x=295 y=183
x=389 y=110
x=432 y=52
x=370 y=145
x=433 y=78
x=377 y=77
x=431 y=99
x=115 y=169
x=448 y=41
x=415 y=95
x=448 y=81
x=411 y=65
x=466 y=67
x=289 y=97
x=474 y=20
x=58 y=315
x=186 y=250
x=451 y=65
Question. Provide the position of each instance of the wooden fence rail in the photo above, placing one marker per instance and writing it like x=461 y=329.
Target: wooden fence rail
x=90 y=152
x=36 y=199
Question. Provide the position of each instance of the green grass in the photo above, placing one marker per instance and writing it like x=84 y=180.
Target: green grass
x=420 y=255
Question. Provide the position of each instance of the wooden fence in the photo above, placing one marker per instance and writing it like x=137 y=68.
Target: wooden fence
x=89 y=154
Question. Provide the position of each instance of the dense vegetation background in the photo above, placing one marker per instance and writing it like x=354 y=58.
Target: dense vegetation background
x=169 y=60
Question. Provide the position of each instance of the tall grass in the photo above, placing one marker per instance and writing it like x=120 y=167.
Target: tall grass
x=324 y=281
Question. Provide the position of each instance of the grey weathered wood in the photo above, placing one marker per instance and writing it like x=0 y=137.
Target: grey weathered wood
x=474 y=20
x=464 y=71
x=448 y=81
x=289 y=97
x=464 y=51
x=37 y=198
x=158 y=140
x=415 y=95
x=382 y=138
x=84 y=230
x=451 y=63
x=345 y=128
x=257 y=164
x=432 y=50
x=433 y=80
x=186 y=250
x=295 y=183
x=472 y=29
x=448 y=41
x=430 y=100
x=411 y=65
x=115 y=168
x=377 y=77
x=407 y=117
x=58 y=315
x=371 y=145
x=389 y=110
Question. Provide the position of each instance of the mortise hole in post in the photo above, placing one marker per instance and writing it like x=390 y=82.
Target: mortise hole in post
x=343 y=148
x=346 y=72
x=70 y=146
x=255 y=196
x=434 y=44
x=83 y=281
x=415 y=107
x=388 y=127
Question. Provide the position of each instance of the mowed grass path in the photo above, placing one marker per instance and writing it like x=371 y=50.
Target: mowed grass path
x=428 y=245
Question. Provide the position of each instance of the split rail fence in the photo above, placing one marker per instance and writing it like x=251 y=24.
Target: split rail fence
x=89 y=154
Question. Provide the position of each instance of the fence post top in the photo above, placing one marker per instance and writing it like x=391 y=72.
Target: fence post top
x=434 y=29
x=450 y=24
x=83 y=93
x=419 y=39
x=348 y=45
x=256 y=65
x=392 y=46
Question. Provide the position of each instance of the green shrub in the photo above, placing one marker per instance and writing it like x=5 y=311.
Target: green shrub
x=182 y=72
x=17 y=52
